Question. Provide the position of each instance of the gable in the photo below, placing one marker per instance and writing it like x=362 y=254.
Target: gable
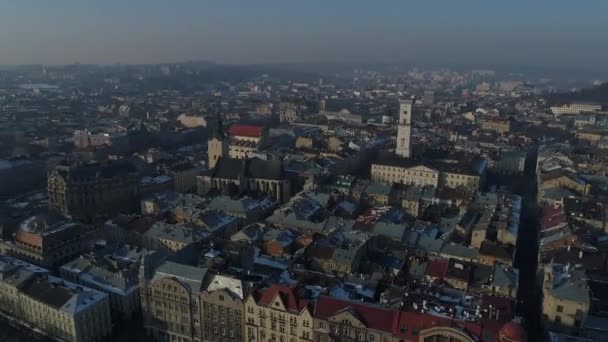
x=422 y=168
x=348 y=316
x=277 y=303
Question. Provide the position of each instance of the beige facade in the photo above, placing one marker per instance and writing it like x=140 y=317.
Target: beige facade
x=240 y=150
x=187 y=304
x=404 y=128
x=57 y=308
x=216 y=148
x=417 y=175
x=170 y=301
x=566 y=297
x=497 y=125
x=278 y=314
x=222 y=310
x=456 y=180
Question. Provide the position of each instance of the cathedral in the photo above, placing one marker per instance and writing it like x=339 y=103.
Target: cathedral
x=230 y=174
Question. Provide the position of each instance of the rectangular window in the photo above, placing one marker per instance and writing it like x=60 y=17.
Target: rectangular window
x=560 y=308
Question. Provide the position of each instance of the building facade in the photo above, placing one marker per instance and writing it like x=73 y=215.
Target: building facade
x=222 y=310
x=404 y=128
x=278 y=313
x=57 y=308
x=170 y=301
x=566 y=298
x=92 y=190
x=49 y=240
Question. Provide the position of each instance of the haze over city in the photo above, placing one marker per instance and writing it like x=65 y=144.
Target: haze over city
x=303 y=171
x=537 y=33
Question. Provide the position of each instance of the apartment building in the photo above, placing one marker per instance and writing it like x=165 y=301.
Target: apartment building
x=92 y=190
x=278 y=313
x=222 y=309
x=342 y=320
x=575 y=108
x=170 y=300
x=496 y=124
x=59 y=309
x=49 y=240
x=566 y=298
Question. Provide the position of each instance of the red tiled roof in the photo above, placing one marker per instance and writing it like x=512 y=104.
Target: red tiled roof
x=552 y=216
x=246 y=131
x=289 y=297
x=437 y=268
x=409 y=321
x=512 y=332
x=373 y=317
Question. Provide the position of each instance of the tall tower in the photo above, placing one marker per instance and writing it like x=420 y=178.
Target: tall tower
x=218 y=144
x=404 y=128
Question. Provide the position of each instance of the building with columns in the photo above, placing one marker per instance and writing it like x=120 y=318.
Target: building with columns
x=404 y=128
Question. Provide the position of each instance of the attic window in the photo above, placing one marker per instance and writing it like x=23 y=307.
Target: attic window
x=276 y=303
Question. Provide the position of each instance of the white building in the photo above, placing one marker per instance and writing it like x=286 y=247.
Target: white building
x=576 y=108
x=404 y=128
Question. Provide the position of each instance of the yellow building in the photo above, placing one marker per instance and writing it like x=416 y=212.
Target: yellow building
x=170 y=301
x=57 y=308
x=467 y=174
x=496 y=124
x=419 y=175
x=278 y=313
x=566 y=297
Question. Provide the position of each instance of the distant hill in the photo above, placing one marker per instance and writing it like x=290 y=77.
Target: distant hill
x=597 y=94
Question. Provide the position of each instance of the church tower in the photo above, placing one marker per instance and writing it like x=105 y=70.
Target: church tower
x=218 y=144
x=404 y=128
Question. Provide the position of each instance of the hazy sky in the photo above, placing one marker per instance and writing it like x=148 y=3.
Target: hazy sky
x=531 y=32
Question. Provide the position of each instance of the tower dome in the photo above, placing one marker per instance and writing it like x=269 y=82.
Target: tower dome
x=512 y=332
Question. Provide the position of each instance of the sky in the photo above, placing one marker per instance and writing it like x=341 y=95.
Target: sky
x=514 y=32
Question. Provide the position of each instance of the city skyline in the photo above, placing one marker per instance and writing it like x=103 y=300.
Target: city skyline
x=267 y=32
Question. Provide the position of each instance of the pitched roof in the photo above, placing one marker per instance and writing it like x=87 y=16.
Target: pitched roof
x=246 y=131
x=436 y=268
x=409 y=324
x=264 y=169
x=229 y=168
x=373 y=317
x=288 y=294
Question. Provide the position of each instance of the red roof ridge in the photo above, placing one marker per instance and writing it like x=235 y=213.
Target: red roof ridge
x=246 y=130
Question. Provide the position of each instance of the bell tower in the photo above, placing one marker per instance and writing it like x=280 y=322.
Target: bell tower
x=218 y=144
x=404 y=128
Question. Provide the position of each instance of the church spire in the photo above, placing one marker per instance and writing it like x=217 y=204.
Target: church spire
x=217 y=130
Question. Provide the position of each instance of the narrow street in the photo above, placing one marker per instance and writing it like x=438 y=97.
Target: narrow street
x=529 y=297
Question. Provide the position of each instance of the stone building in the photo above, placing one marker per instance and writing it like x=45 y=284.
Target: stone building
x=170 y=300
x=247 y=175
x=496 y=124
x=245 y=139
x=278 y=313
x=342 y=320
x=93 y=190
x=454 y=174
x=566 y=298
x=59 y=309
x=222 y=309
x=49 y=240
